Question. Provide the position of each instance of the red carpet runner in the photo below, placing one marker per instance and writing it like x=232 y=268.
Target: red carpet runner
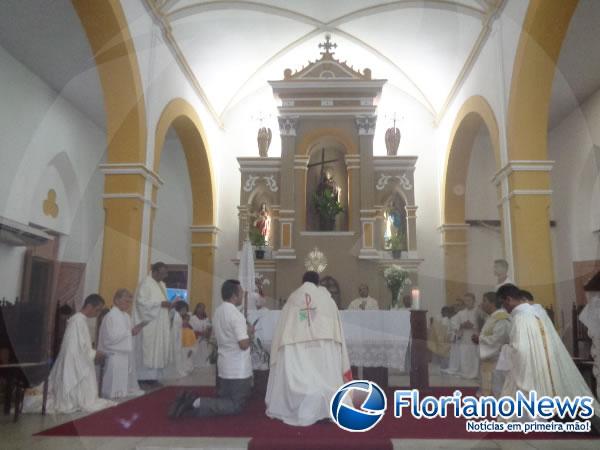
x=146 y=417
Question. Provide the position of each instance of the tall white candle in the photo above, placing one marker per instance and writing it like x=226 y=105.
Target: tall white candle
x=416 y=301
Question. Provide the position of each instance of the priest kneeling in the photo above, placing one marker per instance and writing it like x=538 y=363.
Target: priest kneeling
x=116 y=341
x=72 y=385
x=309 y=360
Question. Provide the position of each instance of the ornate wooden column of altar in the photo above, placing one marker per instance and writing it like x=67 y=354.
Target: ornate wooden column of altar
x=331 y=204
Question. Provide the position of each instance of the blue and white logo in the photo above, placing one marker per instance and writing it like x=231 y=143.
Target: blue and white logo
x=372 y=403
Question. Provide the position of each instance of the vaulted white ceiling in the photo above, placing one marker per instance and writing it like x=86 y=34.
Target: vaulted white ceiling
x=231 y=48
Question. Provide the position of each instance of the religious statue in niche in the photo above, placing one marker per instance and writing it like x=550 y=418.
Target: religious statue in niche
x=262 y=223
x=327 y=200
x=394 y=233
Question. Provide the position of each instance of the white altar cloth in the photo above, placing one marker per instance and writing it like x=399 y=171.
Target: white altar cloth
x=374 y=338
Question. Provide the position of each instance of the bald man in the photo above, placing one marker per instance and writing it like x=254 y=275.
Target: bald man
x=363 y=302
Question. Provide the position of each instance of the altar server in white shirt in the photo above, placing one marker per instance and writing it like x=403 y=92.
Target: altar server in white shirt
x=72 y=384
x=309 y=360
x=152 y=345
x=116 y=341
x=234 y=367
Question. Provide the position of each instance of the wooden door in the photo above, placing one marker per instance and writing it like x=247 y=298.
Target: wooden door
x=68 y=299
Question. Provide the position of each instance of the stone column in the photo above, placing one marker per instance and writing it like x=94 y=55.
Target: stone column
x=353 y=168
x=454 y=242
x=411 y=227
x=300 y=171
x=275 y=227
x=287 y=213
x=243 y=224
x=527 y=205
x=203 y=247
x=366 y=130
x=128 y=208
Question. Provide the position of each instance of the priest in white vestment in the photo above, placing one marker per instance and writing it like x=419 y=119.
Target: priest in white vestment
x=309 y=360
x=151 y=306
x=467 y=321
x=364 y=301
x=453 y=331
x=495 y=333
x=438 y=341
x=539 y=360
x=72 y=384
x=119 y=378
x=200 y=323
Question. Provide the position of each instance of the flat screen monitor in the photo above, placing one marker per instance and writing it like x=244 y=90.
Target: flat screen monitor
x=179 y=294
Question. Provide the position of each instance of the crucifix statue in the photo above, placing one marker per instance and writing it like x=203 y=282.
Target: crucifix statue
x=326 y=198
x=326 y=180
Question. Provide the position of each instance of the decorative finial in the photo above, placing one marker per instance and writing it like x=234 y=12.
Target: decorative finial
x=328 y=45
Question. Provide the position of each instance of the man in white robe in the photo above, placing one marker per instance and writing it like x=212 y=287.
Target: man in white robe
x=501 y=273
x=467 y=321
x=151 y=306
x=543 y=313
x=494 y=334
x=309 y=360
x=538 y=358
x=438 y=341
x=364 y=301
x=72 y=385
x=115 y=339
x=453 y=331
x=180 y=363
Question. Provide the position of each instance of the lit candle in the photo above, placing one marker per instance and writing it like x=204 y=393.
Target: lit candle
x=416 y=304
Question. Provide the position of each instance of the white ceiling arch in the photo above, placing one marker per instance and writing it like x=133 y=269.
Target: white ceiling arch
x=192 y=27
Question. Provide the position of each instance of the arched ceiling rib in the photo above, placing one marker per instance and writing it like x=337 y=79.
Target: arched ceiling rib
x=356 y=21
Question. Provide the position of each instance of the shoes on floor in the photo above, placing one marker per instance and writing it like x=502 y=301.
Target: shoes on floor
x=183 y=404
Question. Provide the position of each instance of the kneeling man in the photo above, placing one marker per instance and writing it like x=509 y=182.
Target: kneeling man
x=309 y=360
x=234 y=366
x=72 y=385
x=116 y=340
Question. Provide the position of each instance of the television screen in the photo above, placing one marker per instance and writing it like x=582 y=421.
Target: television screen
x=177 y=294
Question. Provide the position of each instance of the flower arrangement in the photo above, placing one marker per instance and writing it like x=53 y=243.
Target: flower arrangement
x=396 y=278
x=256 y=238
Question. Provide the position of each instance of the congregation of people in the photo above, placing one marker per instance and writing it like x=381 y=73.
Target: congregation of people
x=506 y=343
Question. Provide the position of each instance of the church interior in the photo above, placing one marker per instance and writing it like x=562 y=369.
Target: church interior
x=454 y=145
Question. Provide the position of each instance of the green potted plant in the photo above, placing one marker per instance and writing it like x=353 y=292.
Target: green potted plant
x=327 y=207
x=397 y=243
x=258 y=241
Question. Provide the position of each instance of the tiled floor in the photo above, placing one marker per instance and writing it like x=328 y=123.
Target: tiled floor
x=19 y=436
